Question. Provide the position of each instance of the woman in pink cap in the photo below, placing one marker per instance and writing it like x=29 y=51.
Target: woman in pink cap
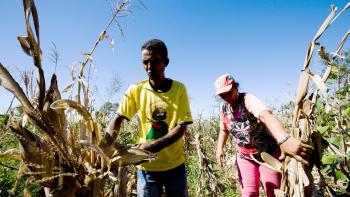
x=255 y=130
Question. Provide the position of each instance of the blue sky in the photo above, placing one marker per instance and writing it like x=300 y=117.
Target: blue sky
x=261 y=43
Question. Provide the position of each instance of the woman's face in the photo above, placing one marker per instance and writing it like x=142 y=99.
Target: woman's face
x=230 y=96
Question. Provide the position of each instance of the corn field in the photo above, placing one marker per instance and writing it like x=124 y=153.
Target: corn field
x=59 y=150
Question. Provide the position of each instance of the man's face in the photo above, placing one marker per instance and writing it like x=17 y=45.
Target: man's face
x=153 y=64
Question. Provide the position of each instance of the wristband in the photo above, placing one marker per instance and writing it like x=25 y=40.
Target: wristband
x=283 y=140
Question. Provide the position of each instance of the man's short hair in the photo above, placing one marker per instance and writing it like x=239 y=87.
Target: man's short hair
x=158 y=45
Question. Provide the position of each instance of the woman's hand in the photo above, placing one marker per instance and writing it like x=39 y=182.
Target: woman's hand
x=220 y=157
x=292 y=146
x=295 y=148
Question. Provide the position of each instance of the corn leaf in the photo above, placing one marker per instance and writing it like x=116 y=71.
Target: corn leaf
x=67 y=104
x=26 y=193
x=101 y=36
x=30 y=10
x=57 y=118
x=326 y=23
x=341 y=12
x=37 y=151
x=325 y=56
x=11 y=85
x=320 y=85
x=131 y=155
x=267 y=164
x=308 y=56
x=303 y=179
x=302 y=87
x=342 y=42
x=69 y=87
x=271 y=161
x=23 y=40
x=11 y=154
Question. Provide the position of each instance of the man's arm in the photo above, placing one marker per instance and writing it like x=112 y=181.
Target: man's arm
x=112 y=131
x=157 y=145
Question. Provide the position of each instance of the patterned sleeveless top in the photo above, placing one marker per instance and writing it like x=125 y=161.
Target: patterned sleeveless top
x=251 y=136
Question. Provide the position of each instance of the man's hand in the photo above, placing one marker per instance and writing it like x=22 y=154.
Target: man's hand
x=106 y=144
x=171 y=137
x=106 y=141
x=295 y=148
x=145 y=146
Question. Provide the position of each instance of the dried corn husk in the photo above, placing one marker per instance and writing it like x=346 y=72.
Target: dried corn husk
x=67 y=104
x=36 y=153
x=131 y=155
x=11 y=154
x=124 y=155
x=269 y=162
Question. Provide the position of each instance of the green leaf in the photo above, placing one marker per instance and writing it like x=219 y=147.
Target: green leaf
x=340 y=176
x=0 y=83
x=347 y=111
x=322 y=129
x=335 y=140
x=335 y=70
x=329 y=159
x=4 y=118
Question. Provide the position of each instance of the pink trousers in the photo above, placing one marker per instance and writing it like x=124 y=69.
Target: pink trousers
x=250 y=173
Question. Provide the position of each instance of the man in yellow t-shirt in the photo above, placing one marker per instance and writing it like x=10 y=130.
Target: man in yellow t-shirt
x=162 y=107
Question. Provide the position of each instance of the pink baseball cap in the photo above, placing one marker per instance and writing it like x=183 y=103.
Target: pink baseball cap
x=224 y=84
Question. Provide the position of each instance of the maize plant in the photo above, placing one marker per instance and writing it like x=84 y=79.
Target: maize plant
x=297 y=179
x=58 y=151
x=204 y=176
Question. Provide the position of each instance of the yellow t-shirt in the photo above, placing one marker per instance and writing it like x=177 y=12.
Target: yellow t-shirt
x=158 y=113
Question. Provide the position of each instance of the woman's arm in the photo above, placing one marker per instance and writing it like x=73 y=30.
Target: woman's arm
x=223 y=135
x=289 y=145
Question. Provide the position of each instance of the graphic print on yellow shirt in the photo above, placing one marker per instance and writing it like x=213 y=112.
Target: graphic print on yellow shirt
x=159 y=126
x=158 y=114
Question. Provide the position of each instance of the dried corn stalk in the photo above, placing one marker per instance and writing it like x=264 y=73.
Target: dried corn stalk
x=59 y=154
x=296 y=178
x=207 y=179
